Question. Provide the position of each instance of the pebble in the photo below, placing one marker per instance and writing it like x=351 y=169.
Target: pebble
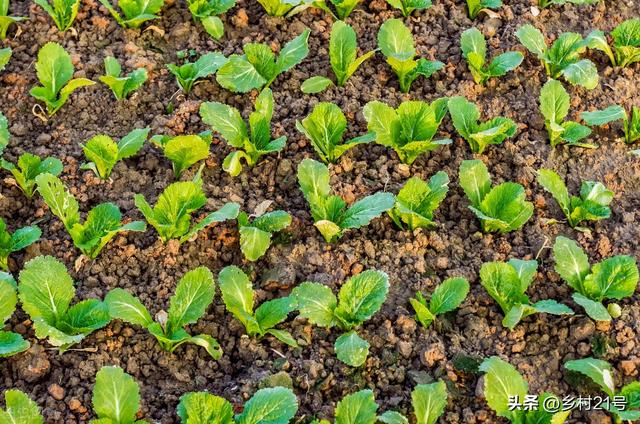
x=583 y=329
x=405 y=348
x=56 y=391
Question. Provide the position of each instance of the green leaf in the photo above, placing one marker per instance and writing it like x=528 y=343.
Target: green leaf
x=475 y=180
x=225 y=120
x=605 y=116
x=116 y=396
x=315 y=85
x=237 y=294
x=361 y=297
x=594 y=309
x=5 y=55
x=502 y=282
x=204 y=408
x=275 y=405
x=429 y=401
x=194 y=293
x=20 y=409
x=408 y=6
x=254 y=242
x=552 y=182
x=61 y=203
x=11 y=344
x=504 y=208
x=102 y=152
x=613 y=278
x=122 y=86
x=184 y=151
x=131 y=143
x=504 y=63
x=583 y=72
x=273 y=312
x=351 y=349
x=210 y=344
x=423 y=315
x=417 y=200
x=29 y=167
x=214 y=26
x=357 y=408
x=571 y=263
x=316 y=303
x=84 y=317
x=4 y=133
x=393 y=417
x=187 y=74
x=313 y=178
x=626 y=41
x=472 y=41
x=501 y=382
x=294 y=52
x=125 y=307
x=239 y=75
x=448 y=295
x=395 y=40
x=226 y=212
x=532 y=39
x=324 y=127
x=8 y=297
x=597 y=40
x=366 y=209
x=599 y=371
x=464 y=115
x=343 y=49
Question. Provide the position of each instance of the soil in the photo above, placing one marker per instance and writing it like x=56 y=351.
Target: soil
x=402 y=353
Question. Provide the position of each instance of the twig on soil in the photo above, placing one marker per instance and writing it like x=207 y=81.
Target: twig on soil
x=278 y=353
x=544 y=246
x=41 y=115
x=85 y=349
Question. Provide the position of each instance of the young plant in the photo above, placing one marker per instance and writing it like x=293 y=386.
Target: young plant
x=613 y=278
x=343 y=8
x=63 y=12
x=190 y=72
x=256 y=233
x=5 y=56
x=19 y=240
x=396 y=43
x=546 y=3
x=626 y=43
x=136 y=12
x=28 y=168
x=171 y=216
x=122 y=86
x=445 y=298
x=207 y=11
x=503 y=384
x=116 y=397
x=479 y=135
x=103 y=153
x=45 y=291
x=183 y=151
x=507 y=284
x=502 y=208
x=10 y=343
x=6 y=21
x=273 y=405
x=408 y=6
x=417 y=200
x=194 y=293
x=630 y=121
x=592 y=205
x=280 y=7
x=228 y=121
x=55 y=70
x=103 y=222
x=554 y=105
x=258 y=66
x=238 y=296
x=476 y=6
x=358 y=300
x=343 y=52
x=409 y=129
x=20 y=409
x=474 y=50
x=562 y=58
x=325 y=127
x=624 y=404
x=330 y=213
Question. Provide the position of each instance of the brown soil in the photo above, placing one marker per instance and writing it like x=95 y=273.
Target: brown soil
x=402 y=353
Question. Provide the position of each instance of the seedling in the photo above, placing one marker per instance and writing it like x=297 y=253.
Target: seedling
x=271 y=405
x=409 y=129
x=359 y=299
x=507 y=284
x=325 y=128
x=20 y=409
x=63 y=12
x=408 y=6
x=417 y=200
x=601 y=373
x=10 y=343
x=281 y=7
x=343 y=52
x=592 y=205
x=183 y=151
x=103 y=153
x=6 y=21
x=5 y=55
x=330 y=213
x=136 y=12
x=562 y=59
x=116 y=397
x=503 y=383
x=256 y=231
x=474 y=7
x=238 y=296
x=625 y=49
x=189 y=73
x=502 y=208
x=613 y=278
x=207 y=12
x=103 y=222
x=554 y=105
x=171 y=216
x=194 y=293
x=122 y=86
x=54 y=70
x=546 y=3
x=474 y=50
x=28 y=168
x=479 y=135
x=45 y=291
x=445 y=298
x=258 y=67
x=630 y=120
x=396 y=43
x=10 y=243
x=228 y=122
